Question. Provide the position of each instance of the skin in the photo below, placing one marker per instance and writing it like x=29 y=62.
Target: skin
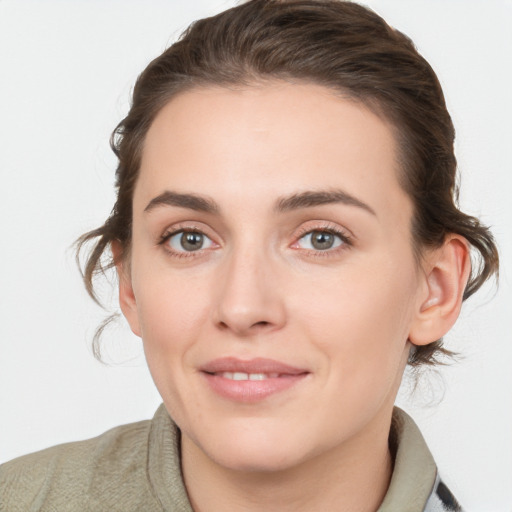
x=259 y=288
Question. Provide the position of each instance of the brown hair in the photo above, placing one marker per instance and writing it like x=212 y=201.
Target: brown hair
x=338 y=44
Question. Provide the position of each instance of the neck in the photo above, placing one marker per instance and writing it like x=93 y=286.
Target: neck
x=351 y=477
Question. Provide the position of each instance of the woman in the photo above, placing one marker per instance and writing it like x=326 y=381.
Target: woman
x=286 y=241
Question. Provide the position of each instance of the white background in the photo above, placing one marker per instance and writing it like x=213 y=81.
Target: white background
x=66 y=70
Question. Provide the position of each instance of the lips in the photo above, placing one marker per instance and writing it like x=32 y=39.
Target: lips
x=252 y=380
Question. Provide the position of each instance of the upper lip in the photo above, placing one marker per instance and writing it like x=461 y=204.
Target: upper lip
x=257 y=365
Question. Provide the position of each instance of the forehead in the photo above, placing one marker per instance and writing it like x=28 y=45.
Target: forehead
x=265 y=141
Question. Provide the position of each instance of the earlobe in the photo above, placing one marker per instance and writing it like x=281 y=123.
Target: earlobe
x=127 y=300
x=446 y=276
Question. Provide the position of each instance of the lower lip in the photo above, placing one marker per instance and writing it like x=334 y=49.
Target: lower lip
x=250 y=391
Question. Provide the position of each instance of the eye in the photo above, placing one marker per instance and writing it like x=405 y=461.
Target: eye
x=319 y=240
x=188 y=241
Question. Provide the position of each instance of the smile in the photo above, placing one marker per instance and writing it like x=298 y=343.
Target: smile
x=250 y=381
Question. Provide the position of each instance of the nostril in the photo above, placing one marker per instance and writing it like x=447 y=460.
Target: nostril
x=263 y=323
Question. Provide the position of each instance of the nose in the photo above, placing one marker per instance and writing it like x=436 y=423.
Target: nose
x=249 y=299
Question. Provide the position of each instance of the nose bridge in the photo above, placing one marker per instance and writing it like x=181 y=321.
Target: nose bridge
x=248 y=298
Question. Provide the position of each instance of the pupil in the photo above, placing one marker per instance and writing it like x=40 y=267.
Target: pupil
x=322 y=240
x=191 y=241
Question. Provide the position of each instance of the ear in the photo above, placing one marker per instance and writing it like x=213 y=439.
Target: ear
x=447 y=271
x=127 y=299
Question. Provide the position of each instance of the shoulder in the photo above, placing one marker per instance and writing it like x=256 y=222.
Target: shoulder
x=73 y=476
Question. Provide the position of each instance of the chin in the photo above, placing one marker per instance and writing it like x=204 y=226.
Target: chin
x=255 y=446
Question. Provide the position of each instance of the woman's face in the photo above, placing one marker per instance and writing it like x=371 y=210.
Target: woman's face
x=272 y=277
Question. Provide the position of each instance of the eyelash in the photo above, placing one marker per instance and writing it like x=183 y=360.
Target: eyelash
x=175 y=231
x=328 y=228
x=346 y=239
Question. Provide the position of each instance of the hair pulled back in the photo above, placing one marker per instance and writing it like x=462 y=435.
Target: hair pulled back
x=340 y=45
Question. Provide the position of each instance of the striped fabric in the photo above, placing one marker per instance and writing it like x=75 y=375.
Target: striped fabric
x=441 y=499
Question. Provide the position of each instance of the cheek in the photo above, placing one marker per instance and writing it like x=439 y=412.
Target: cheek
x=172 y=317
x=361 y=320
x=172 y=310
x=168 y=300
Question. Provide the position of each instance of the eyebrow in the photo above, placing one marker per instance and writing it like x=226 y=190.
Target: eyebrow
x=189 y=201
x=307 y=199
x=310 y=199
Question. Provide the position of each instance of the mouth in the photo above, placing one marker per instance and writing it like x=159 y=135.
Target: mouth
x=247 y=376
x=250 y=381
